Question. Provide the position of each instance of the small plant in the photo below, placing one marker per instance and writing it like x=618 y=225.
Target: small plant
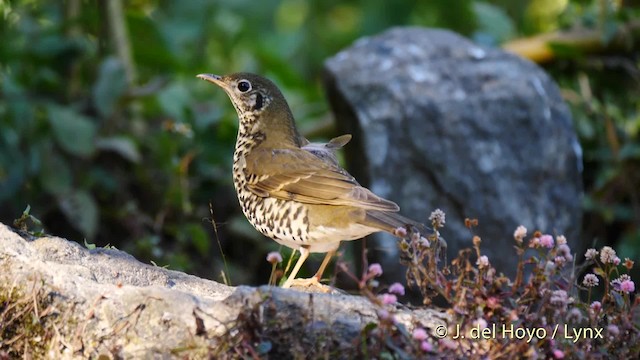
x=28 y=223
x=550 y=309
x=539 y=313
x=274 y=258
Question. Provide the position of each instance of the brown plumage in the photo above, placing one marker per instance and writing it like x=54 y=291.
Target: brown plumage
x=294 y=191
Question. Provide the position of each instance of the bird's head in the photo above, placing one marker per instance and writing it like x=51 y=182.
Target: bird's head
x=249 y=93
x=258 y=101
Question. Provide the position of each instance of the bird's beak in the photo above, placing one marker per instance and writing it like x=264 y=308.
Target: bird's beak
x=213 y=79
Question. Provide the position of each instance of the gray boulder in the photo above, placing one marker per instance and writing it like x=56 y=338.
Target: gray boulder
x=61 y=300
x=439 y=122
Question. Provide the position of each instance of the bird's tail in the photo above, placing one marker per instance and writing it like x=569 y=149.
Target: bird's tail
x=390 y=221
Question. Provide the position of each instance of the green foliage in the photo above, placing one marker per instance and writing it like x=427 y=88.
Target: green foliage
x=130 y=150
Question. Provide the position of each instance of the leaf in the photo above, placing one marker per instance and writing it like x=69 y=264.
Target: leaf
x=75 y=133
x=111 y=84
x=493 y=21
x=89 y=245
x=174 y=100
x=198 y=237
x=598 y=271
x=619 y=299
x=122 y=146
x=81 y=210
x=610 y=29
x=156 y=54
x=55 y=175
x=630 y=151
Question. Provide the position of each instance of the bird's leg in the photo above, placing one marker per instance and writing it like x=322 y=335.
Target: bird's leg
x=315 y=279
x=304 y=254
x=323 y=266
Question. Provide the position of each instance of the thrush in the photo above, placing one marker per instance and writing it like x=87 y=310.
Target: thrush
x=293 y=191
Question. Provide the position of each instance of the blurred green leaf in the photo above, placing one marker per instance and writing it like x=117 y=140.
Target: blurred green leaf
x=598 y=271
x=156 y=55
x=609 y=31
x=55 y=174
x=122 y=146
x=174 y=99
x=630 y=247
x=81 y=210
x=493 y=21
x=198 y=237
x=110 y=86
x=630 y=151
x=74 y=132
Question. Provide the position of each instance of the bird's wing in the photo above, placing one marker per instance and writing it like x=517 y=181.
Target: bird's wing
x=338 y=142
x=295 y=174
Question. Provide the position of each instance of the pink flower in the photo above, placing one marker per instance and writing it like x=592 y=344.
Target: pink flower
x=438 y=217
x=627 y=286
x=274 y=257
x=384 y=315
x=419 y=334
x=482 y=262
x=565 y=251
x=426 y=347
x=396 y=288
x=534 y=242
x=624 y=284
x=546 y=241
x=375 y=269
x=596 y=306
x=493 y=302
x=401 y=232
x=607 y=255
x=448 y=344
x=558 y=354
x=520 y=233
x=560 y=297
x=388 y=299
x=590 y=280
x=591 y=254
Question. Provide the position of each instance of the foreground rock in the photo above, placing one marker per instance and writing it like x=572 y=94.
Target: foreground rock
x=89 y=303
x=439 y=122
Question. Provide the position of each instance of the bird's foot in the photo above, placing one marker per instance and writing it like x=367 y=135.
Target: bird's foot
x=311 y=282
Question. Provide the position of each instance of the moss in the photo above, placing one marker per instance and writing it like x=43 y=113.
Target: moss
x=27 y=317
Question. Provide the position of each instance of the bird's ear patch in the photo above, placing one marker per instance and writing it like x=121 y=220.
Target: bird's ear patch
x=259 y=102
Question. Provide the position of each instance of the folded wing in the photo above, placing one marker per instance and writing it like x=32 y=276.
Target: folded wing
x=296 y=174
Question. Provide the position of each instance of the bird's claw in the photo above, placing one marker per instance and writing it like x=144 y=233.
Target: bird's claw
x=311 y=282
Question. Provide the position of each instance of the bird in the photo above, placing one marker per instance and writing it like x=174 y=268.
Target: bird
x=293 y=191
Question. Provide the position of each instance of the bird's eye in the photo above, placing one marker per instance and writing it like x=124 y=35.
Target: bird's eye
x=244 y=86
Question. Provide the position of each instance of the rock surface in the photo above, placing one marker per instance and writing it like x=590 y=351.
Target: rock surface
x=105 y=302
x=439 y=122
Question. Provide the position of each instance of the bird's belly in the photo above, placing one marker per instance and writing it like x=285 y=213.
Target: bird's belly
x=284 y=221
x=351 y=232
x=287 y=222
